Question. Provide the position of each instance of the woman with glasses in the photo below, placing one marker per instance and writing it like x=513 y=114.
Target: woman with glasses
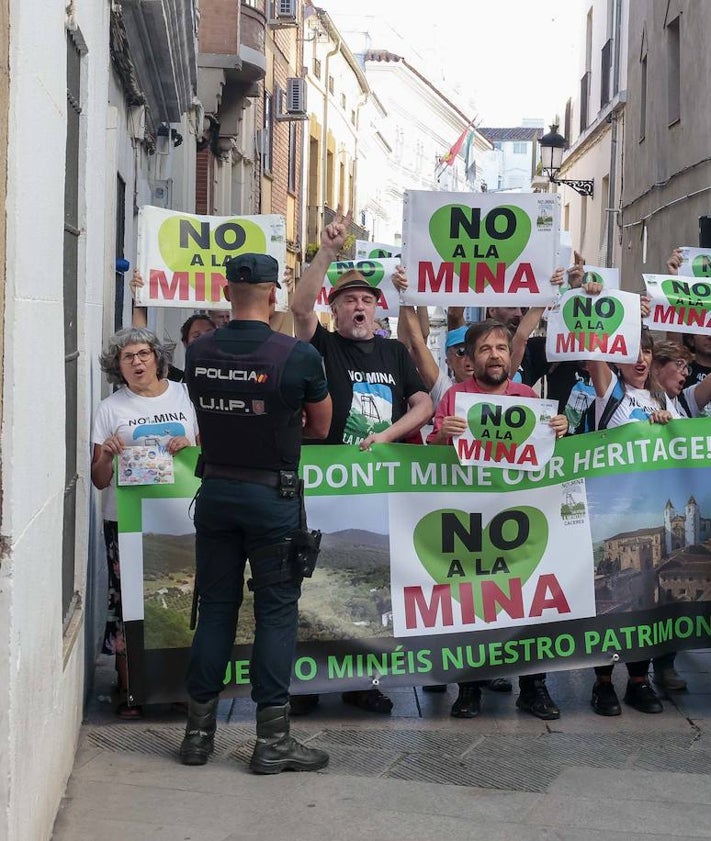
x=671 y=364
x=146 y=408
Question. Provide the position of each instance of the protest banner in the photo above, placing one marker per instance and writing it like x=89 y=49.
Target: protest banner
x=366 y=250
x=604 y=326
x=505 y=431
x=434 y=572
x=695 y=262
x=480 y=249
x=378 y=273
x=182 y=256
x=678 y=304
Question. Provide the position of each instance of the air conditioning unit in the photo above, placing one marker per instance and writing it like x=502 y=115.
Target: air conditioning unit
x=283 y=13
x=296 y=96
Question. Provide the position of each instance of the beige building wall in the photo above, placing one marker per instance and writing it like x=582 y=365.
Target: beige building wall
x=667 y=162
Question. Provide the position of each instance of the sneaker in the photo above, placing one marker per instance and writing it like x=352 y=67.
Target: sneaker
x=468 y=703
x=642 y=697
x=604 y=698
x=669 y=679
x=538 y=702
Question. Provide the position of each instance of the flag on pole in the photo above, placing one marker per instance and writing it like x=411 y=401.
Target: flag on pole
x=449 y=158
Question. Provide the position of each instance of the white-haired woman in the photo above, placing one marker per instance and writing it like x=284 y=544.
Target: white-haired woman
x=145 y=406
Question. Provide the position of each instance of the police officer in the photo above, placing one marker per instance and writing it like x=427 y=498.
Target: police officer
x=256 y=392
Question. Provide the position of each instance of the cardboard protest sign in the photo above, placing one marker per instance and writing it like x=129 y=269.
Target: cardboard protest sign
x=604 y=326
x=378 y=273
x=479 y=249
x=678 y=303
x=182 y=256
x=505 y=431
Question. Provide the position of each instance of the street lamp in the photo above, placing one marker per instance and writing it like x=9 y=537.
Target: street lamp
x=552 y=147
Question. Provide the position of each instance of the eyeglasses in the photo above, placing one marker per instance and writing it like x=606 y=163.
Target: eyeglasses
x=460 y=352
x=682 y=365
x=142 y=355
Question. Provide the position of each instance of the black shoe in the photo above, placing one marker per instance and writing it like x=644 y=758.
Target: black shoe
x=198 y=742
x=276 y=751
x=435 y=687
x=370 y=700
x=468 y=703
x=303 y=704
x=535 y=699
x=604 y=698
x=642 y=697
x=499 y=684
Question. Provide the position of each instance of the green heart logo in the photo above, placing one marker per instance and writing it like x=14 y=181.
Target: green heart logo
x=371 y=270
x=453 y=547
x=488 y=422
x=681 y=292
x=596 y=317
x=701 y=265
x=462 y=236
x=194 y=245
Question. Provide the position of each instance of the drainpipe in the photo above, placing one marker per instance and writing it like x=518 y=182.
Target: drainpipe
x=324 y=140
x=611 y=207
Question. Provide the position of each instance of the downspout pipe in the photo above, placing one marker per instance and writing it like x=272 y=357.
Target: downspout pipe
x=612 y=191
x=324 y=135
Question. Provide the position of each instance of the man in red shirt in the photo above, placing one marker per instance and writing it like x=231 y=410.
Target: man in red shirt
x=488 y=345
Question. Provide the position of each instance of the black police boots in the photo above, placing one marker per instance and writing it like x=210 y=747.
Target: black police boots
x=277 y=751
x=198 y=742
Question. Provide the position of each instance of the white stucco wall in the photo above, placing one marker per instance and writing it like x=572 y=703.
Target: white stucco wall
x=40 y=687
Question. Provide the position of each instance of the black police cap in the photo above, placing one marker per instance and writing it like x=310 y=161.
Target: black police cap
x=252 y=268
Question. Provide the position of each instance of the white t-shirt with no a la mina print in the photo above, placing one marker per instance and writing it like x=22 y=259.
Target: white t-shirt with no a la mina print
x=135 y=418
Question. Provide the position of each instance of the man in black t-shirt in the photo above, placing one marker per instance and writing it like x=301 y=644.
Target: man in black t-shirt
x=378 y=396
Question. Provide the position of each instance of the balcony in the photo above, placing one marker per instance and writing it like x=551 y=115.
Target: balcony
x=232 y=40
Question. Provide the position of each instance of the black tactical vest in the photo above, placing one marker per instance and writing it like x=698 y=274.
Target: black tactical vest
x=243 y=420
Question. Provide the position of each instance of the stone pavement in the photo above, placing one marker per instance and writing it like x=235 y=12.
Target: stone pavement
x=417 y=774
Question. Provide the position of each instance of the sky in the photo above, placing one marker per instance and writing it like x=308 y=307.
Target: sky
x=510 y=59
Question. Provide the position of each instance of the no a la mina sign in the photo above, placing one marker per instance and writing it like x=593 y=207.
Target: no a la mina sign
x=604 y=326
x=679 y=304
x=182 y=256
x=475 y=249
x=505 y=431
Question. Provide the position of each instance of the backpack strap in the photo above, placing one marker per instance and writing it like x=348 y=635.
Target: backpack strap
x=613 y=401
